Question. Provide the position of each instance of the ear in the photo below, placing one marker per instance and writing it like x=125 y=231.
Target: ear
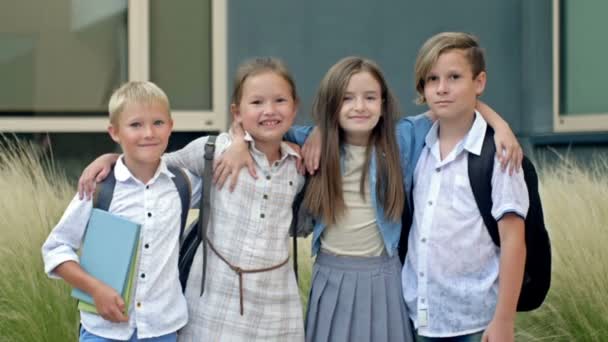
x=113 y=131
x=480 y=83
x=236 y=114
x=170 y=123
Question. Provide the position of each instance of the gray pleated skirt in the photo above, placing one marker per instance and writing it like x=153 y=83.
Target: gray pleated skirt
x=357 y=299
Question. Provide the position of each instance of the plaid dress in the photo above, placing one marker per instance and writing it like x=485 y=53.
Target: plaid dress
x=250 y=228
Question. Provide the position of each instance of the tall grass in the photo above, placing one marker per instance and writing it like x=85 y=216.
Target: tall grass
x=35 y=308
x=576 y=214
x=32 y=307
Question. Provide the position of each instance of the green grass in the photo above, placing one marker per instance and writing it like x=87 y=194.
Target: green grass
x=34 y=308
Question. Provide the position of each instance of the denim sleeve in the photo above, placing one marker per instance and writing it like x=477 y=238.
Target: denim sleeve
x=411 y=132
x=298 y=134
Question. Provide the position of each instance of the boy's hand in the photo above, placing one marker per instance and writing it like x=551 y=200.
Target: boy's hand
x=499 y=331
x=230 y=163
x=95 y=172
x=109 y=304
x=508 y=150
x=311 y=151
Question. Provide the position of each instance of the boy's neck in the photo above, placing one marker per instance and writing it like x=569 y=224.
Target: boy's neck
x=144 y=172
x=452 y=131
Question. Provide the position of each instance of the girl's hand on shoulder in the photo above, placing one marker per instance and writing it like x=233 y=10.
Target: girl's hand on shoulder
x=230 y=163
x=94 y=173
x=311 y=151
x=109 y=304
x=508 y=150
x=499 y=331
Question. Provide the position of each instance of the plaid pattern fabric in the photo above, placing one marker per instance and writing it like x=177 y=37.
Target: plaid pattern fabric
x=250 y=228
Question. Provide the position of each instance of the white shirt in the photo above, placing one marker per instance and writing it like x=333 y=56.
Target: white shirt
x=158 y=306
x=450 y=276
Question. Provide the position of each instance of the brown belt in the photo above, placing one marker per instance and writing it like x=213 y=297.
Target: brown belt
x=239 y=271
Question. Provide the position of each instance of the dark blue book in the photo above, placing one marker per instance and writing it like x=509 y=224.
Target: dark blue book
x=108 y=251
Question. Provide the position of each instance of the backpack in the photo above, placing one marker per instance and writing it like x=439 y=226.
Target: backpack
x=537 y=272
x=105 y=191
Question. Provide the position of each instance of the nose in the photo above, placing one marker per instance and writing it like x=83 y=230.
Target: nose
x=442 y=86
x=358 y=105
x=269 y=108
x=148 y=131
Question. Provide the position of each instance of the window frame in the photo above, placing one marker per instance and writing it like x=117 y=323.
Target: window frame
x=569 y=122
x=215 y=119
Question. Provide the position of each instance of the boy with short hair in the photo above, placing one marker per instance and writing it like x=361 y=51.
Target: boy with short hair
x=457 y=283
x=140 y=121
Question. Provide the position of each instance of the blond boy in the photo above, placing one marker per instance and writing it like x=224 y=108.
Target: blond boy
x=141 y=123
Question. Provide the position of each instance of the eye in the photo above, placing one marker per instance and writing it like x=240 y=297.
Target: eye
x=431 y=78
x=135 y=124
x=159 y=123
x=371 y=97
x=281 y=99
x=455 y=76
x=256 y=102
x=347 y=98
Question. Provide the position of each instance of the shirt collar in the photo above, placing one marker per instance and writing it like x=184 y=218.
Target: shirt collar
x=471 y=142
x=122 y=173
x=286 y=150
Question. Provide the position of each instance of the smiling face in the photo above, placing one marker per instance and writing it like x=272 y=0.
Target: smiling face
x=143 y=131
x=450 y=89
x=361 y=108
x=266 y=109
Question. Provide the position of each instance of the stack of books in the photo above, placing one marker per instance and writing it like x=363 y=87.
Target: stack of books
x=109 y=253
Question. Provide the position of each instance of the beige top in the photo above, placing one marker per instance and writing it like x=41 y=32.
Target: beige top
x=356 y=232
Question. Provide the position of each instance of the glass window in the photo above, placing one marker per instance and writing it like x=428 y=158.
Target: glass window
x=180 y=52
x=583 y=51
x=61 y=57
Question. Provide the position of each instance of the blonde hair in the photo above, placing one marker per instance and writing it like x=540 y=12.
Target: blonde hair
x=256 y=66
x=439 y=44
x=143 y=92
x=324 y=194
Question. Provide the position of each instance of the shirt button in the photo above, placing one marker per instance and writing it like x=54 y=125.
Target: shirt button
x=423 y=240
x=147 y=187
x=290 y=183
x=268 y=177
x=438 y=169
x=262 y=215
x=276 y=164
x=421 y=300
x=265 y=196
x=146 y=246
x=143 y=275
x=421 y=274
x=139 y=304
x=149 y=214
x=430 y=202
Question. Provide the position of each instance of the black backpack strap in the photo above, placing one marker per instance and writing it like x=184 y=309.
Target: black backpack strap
x=104 y=191
x=184 y=188
x=205 y=202
x=480 y=170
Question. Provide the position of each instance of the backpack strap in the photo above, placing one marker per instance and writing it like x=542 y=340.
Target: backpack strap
x=184 y=188
x=480 y=170
x=205 y=202
x=104 y=191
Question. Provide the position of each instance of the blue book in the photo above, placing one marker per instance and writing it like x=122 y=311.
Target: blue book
x=108 y=250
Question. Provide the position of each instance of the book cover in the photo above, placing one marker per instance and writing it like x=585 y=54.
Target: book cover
x=108 y=250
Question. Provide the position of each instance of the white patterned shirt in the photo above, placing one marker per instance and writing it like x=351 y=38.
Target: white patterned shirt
x=450 y=276
x=158 y=306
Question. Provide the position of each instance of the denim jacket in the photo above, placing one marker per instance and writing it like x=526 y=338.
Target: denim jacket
x=410 y=134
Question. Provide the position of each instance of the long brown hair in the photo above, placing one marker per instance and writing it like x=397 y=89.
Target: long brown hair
x=324 y=197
